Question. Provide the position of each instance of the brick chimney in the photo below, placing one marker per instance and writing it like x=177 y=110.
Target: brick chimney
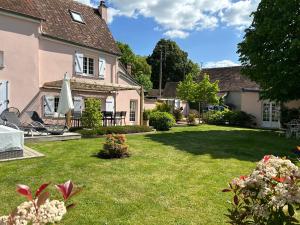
x=103 y=10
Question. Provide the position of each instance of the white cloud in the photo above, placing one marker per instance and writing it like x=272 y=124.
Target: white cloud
x=181 y=17
x=222 y=63
x=176 y=34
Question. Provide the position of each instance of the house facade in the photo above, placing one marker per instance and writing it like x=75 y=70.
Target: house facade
x=41 y=40
x=239 y=93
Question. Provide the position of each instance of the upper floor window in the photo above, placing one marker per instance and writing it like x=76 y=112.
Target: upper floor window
x=1 y=59
x=77 y=17
x=88 y=66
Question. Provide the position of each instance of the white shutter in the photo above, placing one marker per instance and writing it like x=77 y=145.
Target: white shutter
x=78 y=104
x=110 y=104
x=3 y=95
x=102 y=68
x=48 y=105
x=78 y=63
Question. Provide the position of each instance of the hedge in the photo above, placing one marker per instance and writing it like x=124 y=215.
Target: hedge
x=112 y=130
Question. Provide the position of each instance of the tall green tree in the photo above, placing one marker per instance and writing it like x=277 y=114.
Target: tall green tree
x=270 y=51
x=128 y=56
x=141 y=70
x=175 y=63
x=203 y=92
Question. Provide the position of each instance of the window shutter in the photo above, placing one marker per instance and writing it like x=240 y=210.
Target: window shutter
x=48 y=105
x=110 y=104
x=78 y=104
x=78 y=63
x=1 y=59
x=102 y=67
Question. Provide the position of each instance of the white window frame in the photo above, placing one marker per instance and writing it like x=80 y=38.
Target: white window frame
x=1 y=59
x=76 y=16
x=88 y=67
x=131 y=111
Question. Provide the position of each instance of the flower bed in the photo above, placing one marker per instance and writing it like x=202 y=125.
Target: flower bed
x=269 y=195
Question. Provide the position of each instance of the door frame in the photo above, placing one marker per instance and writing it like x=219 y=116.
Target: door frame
x=270 y=123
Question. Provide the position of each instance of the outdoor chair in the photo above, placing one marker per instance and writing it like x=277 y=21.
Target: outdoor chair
x=123 y=117
x=117 y=118
x=41 y=126
x=107 y=116
x=293 y=128
x=12 y=120
x=11 y=109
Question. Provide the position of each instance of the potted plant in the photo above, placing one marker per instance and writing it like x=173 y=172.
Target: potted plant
x=146 y=117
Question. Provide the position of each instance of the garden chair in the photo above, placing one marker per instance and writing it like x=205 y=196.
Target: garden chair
x=293 y=129
x=41 y=126
x=123 y=117
x=12 y=120
x=117 y=118
x=11 y=109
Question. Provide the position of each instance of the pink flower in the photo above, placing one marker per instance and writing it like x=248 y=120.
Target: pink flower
x=66 y=189
x=266 y=158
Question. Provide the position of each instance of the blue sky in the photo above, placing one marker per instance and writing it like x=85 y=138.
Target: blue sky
x=207 y=30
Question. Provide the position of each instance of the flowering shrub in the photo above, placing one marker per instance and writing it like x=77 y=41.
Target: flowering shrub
x=115 y=146
x=268 y=195
x=39 y=210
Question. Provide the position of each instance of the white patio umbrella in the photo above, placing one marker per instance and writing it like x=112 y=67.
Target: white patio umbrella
x=65 y=104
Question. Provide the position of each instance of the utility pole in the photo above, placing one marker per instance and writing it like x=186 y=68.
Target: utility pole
x=160 y=72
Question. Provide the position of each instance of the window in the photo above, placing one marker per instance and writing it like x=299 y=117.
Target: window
x=88 y=66
x=50 y=105
x=77 y=17
x=56 y=101
x=1 y=59
x=133 y=108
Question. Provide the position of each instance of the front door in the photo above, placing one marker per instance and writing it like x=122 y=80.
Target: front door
x=271 y=115
x=3 y=95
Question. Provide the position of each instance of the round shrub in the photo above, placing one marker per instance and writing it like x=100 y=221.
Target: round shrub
x=162 y=121
x=191 y=119
x=178 y=114
x=115 y=147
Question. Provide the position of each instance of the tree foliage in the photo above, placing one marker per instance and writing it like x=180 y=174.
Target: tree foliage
x=128 y=56
x=141 y=70
x=270 y=51
x=203 y=92
x=175 y=63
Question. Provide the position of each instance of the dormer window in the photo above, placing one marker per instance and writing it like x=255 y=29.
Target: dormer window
x=76 y=17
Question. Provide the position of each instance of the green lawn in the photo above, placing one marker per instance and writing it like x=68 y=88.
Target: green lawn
x=172 y=178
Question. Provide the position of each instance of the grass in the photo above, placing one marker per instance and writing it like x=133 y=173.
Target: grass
x=172 y=178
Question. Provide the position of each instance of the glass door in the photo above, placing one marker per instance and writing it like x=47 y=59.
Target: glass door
x=271 y=115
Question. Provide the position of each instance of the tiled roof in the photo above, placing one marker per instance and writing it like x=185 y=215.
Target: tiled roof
x=58 y=23
x=231 y=79
x=170 y=90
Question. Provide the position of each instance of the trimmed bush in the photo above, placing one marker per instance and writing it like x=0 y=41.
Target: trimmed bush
x=112 y=130
x=92 y=117
x=115 y=147
x=146 y=115
x=233 y=118
x=163 y=107
x=191 y=119
x=178 y=115
x=162 y=121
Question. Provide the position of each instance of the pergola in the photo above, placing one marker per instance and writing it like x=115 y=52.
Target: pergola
x=97 y=86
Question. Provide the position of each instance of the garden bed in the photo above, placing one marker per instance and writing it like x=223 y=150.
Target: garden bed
x=89 y=133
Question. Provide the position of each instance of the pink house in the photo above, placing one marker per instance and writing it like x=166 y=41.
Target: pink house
x=41 y=40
